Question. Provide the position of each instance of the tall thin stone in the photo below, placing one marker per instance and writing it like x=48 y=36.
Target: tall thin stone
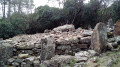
x=99 y=38
x=6 y=52
x=47 y=48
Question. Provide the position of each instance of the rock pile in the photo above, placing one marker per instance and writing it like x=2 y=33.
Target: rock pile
x=61 y=46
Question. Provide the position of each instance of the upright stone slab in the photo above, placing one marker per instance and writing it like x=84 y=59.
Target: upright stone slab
x=110 y=26
x=99 y=38
x=117 y=29
x=110 y=23
x=6 y=51
x=47 y=48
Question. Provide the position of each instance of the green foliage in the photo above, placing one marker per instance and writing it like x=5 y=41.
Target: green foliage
x=72 y=63
x=116 y=10
x=48 y=17
x=18 y=25
x=6 y=29
x=73 y=10
x=19 y=22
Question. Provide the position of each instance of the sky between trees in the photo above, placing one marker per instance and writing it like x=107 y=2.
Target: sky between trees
x=51 y=4
x=38 y=3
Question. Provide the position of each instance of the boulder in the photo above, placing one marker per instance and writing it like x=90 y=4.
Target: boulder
x=32 y=58
x=81 y=56
x=110 y=25
x=64 y=47
x=87 y=33
x=63 y=41
x=99 y=38
x=81 y=59
x=82 y=64
x=92 y=52
x=47 y=48
x=85 y=40
x=36 y=63
x=58 y=61
x=11 y=60
x=67 y=40
x=114 y=44
x=23 y=55
x=82 y=46
x=23 y=64
x=111 y=40
x=65 y=28
x=24 y=45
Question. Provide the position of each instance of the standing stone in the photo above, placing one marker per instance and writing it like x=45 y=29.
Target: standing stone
x=110 y=23
x=117 y=29
x=6 y=52
x=47 y=48
x=99 y=38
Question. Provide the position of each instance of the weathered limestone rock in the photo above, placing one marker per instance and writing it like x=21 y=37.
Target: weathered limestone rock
x=110 y=25
x=81 y=56
x=58 y=61
x=15 y=64
x=47 y=48
x=99 y=38
x=82 y=46
x=64 y=47
x=117 y=29
x=92 y=52
x=32 y=58
x=81 y=59
x=85 y=40
x=114 y=44
x=26 y=51
x=25 y=45
x=87 y=33
x=11 y=60
x=36 y=63
x=6 y=51
x=63 y=41
x=67 y=40
x=23 y=64
x=65 y=28
x=111 y=40
x=82 y=64
x=23 y=55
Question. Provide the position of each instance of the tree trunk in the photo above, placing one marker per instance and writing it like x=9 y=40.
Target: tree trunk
x=14 y=8
x=19 y=6
x=4 y=9
x=9 y=9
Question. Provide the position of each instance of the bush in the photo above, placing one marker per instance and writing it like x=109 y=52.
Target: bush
x=6 y=29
